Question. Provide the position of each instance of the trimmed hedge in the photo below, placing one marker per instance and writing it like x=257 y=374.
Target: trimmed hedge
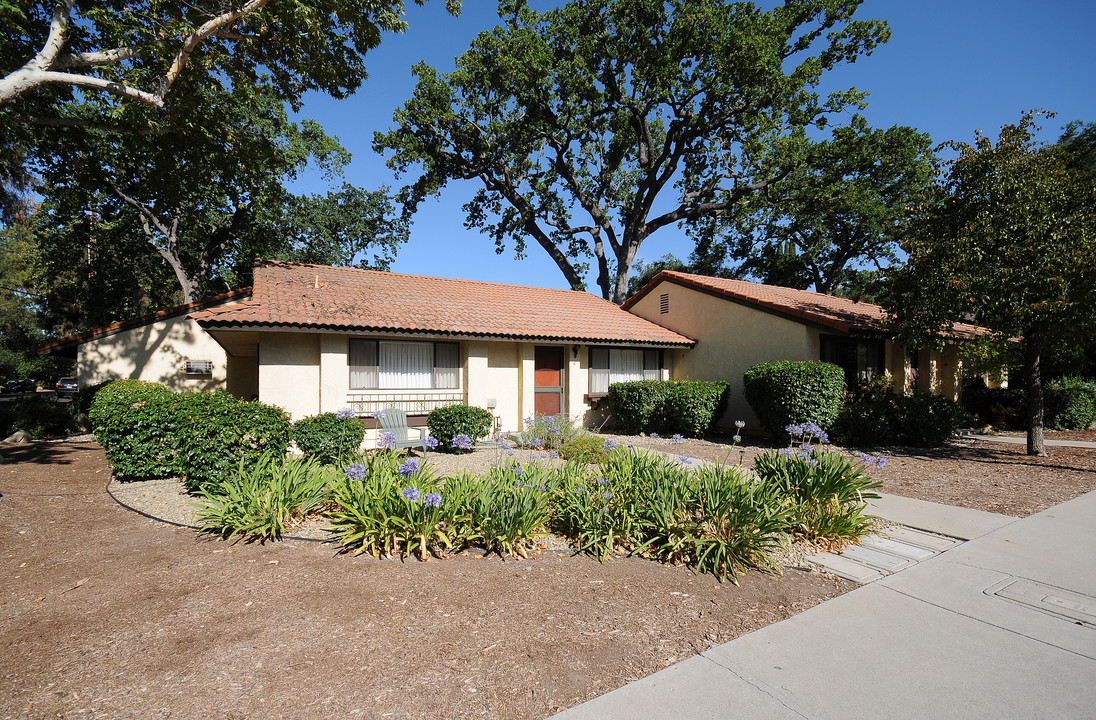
x=149 y=431
x=215 y=432
x=327 y=437
x=790 y=392
x=448 y=422
x=886 y=419
x=685 y=406
x=133 y=422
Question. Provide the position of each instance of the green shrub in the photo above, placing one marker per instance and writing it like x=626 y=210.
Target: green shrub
x=1070 y=403
x=548 y=432
x=85 y=396
x=585 y=450
x=793 y=392
x=687 y=406
x=41 y=418
x=134 y=423
x=450 y=422
x=987 y=403
x=328 y=437
x=916 y=420
x=265 y=499
x=827 y=492
x=214 y=432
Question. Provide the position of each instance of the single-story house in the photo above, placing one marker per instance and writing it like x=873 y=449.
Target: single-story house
x=738 y=324
x=313 y=338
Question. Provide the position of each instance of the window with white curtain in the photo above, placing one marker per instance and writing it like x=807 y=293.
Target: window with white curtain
x=613 y=365
x=403 y=365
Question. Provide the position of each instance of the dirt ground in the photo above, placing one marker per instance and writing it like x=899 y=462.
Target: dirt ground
x=107 y=614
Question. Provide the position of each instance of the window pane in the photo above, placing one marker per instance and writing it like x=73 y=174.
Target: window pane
x=650 y=365
x=363 y=364
x=446 y=365
x=406 y=365
x=625 y=365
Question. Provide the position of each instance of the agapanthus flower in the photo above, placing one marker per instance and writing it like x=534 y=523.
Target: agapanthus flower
x=737 y=438
x=606 y=495
x=462 y=442
x=386 y=440
x=740 y=423
x=503 y=445
x=794 y=430
x=355 y=472
x=409 y=467
x=431 y=500
x=787 y=452
x=609 y=445
x=655 y=435
x=430 y=442
x=411 y=494
x=519 y=470
x=553 y=454
x=685 y=459
x=345 y=413
x=677 y=438
x=380 y=415
x=603 y=481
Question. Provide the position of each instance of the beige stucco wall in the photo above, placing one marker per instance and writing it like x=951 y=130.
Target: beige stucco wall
x=289 y=372
x=156 y=352
x=730 y=338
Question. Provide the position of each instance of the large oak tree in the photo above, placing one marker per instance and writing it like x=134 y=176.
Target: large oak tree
x=592 y=126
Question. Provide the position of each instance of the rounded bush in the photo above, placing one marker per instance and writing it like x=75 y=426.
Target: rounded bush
x=915 y=420
x=687 y=406
x=791 y=392
x=1071 y=403
x=589 y=449
x=41 y=418
x=328 y=437
x=451 y=421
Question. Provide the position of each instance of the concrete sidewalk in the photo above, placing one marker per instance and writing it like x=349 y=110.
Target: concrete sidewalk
x=1002 y=626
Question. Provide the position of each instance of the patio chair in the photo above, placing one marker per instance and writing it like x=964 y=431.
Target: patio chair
x=394 y=421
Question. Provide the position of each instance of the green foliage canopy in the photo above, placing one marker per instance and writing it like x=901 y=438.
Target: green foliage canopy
x=580 y=122
x=1008 y=242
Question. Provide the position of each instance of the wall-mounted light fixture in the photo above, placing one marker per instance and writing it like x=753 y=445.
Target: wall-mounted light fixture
x=574 y=351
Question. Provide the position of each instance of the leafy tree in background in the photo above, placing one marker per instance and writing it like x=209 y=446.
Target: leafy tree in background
x=205 y=187
x=846 y=207
x=596 y=124
x=1009 y=242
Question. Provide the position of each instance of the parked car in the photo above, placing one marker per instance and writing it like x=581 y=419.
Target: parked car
x=66 y=387
x=19 y=386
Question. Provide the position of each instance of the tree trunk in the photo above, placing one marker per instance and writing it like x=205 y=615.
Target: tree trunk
x=1033 y=348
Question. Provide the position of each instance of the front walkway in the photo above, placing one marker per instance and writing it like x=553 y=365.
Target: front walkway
x=1003 y=625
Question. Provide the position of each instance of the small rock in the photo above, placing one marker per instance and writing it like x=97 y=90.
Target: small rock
x=19 y=436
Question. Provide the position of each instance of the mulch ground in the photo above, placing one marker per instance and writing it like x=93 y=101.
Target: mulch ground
x=105 y=613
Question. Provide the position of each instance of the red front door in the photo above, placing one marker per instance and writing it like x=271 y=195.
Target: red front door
x=548 y=380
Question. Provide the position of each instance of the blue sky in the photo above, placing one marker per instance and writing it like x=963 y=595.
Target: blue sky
x=951 y=67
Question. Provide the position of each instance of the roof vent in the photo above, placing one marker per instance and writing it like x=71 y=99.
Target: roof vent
x=664 y=304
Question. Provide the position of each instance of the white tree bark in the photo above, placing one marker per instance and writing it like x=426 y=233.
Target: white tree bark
x=47 y=66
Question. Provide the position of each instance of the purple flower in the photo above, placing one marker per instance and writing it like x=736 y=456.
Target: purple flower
x=606 y=495
x=530 y=420
x=386 y=440
x=603 y=481
x=431 y=500
x=543 y=488
x=410 y=467
x=355 y=472
x=430 y=442
x=550 y=419
x=553 y=454
x=505 y=445
x=881 y=461
x=677 y=438
x=737 y=438
x=740 y=423
x=380 y=415
x=519 y=471
x=654 y=435
x=345 y=414
x=685 y=459
x=787 y=452
x=411 y=494
x=461 y=442
x=609 y=445
x=824 y=438
x=580 y=489
x=552 y=429
x=794 y=430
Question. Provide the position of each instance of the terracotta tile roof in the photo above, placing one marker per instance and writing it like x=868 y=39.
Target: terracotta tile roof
x=840 y=314
x=72 y=341
x=369 y=301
